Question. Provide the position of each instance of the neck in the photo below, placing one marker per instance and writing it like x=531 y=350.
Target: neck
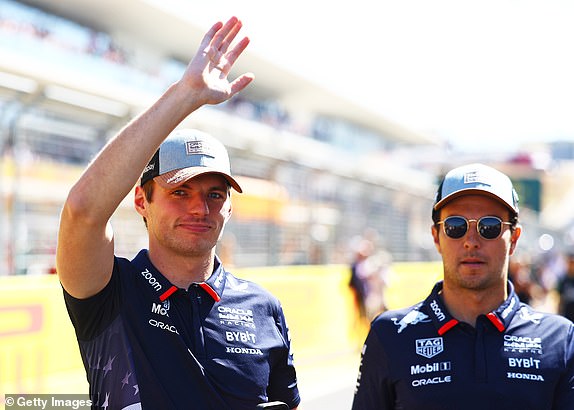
x=183 y=270
x=467 y=305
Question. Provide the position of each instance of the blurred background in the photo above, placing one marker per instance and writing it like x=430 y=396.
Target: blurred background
x=354 y=116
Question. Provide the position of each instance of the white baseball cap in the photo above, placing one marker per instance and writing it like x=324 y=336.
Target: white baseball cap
x=477 y=179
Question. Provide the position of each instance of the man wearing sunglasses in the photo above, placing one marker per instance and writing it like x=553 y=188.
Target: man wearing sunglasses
x=471 y=344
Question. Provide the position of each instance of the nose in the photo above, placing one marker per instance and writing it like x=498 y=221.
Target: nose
x=198 y=205
x=472 y=238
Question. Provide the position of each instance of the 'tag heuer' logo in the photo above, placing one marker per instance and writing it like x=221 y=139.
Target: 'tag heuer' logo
x=429 y=347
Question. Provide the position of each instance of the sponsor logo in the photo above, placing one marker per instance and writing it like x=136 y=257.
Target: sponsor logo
x=239 y=287
x=432 y=380
x=474 y=176
x=525 y=376
x=243 y=350
x=151 y=280
x=198 y=148
x=430 y=367
x=162 y=325
x=508 y=309
x=245 y=337
x=149 y=167
x=358 y=383
x=235 y=311
x=236 y=316
x=522 y=344
x=429 y=347
x=526 y=363
x=236 y=323
x=218 y=280
x=534 y=317
x=160 y=309
x=437 y=311
x=411 y=318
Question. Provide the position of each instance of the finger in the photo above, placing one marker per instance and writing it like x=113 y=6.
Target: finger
x=241 y=82
x=226 y=33
x=230 y=37
x=208 y=37
x=233 y=54
x=224 y=63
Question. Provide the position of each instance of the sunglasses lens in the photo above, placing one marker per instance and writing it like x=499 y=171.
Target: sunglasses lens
x=489 y=227
x=455 y=227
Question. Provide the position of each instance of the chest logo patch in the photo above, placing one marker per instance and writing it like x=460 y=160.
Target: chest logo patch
x=533 y=317
x=411 y=318
x=429 y=347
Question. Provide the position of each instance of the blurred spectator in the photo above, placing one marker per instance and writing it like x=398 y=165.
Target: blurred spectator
x=520 y=276
x=565 y=289
x=369 y=270
x=378 y=266
x=550 y=269
x=359 y=274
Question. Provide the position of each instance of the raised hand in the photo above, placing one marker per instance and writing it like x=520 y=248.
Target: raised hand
x=207 y=72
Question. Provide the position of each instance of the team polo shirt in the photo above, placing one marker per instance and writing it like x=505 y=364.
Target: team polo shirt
x=423 y=358
x=221 y=344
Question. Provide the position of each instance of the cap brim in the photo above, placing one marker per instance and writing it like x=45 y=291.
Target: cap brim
x=177 y=177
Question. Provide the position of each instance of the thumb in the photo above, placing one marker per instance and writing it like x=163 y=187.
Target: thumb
x=241 y=82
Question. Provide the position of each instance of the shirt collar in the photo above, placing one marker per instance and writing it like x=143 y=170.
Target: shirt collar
x=215 y=284
x=444 y=321
x=162 y=288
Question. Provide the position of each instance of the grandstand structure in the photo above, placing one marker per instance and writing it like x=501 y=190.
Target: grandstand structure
x=316 y=169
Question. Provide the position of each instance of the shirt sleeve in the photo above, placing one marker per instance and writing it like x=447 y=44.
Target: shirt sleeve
x=373 y=390
x=564 y=397
x=91 y=315
x=283 y=378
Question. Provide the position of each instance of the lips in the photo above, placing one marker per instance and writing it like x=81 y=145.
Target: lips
x=472 y=261
x=195 y=226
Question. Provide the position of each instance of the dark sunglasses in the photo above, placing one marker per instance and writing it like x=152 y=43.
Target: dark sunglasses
x=488 y=227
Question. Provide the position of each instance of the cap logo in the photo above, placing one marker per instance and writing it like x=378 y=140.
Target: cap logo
x=198 y=148
x=149 y=167
x=473 y=177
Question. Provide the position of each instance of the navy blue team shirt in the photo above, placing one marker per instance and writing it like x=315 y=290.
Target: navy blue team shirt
x=423 y=358
x=221 y=344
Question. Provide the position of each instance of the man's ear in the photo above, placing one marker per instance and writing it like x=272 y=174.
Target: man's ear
x=514 y=238
x=140 y=201
x=229 y=212
x=435 y=236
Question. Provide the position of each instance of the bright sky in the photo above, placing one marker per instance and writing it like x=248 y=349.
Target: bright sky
x=486 y=75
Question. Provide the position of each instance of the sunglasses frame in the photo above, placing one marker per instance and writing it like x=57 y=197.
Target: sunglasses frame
x=468 y=221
